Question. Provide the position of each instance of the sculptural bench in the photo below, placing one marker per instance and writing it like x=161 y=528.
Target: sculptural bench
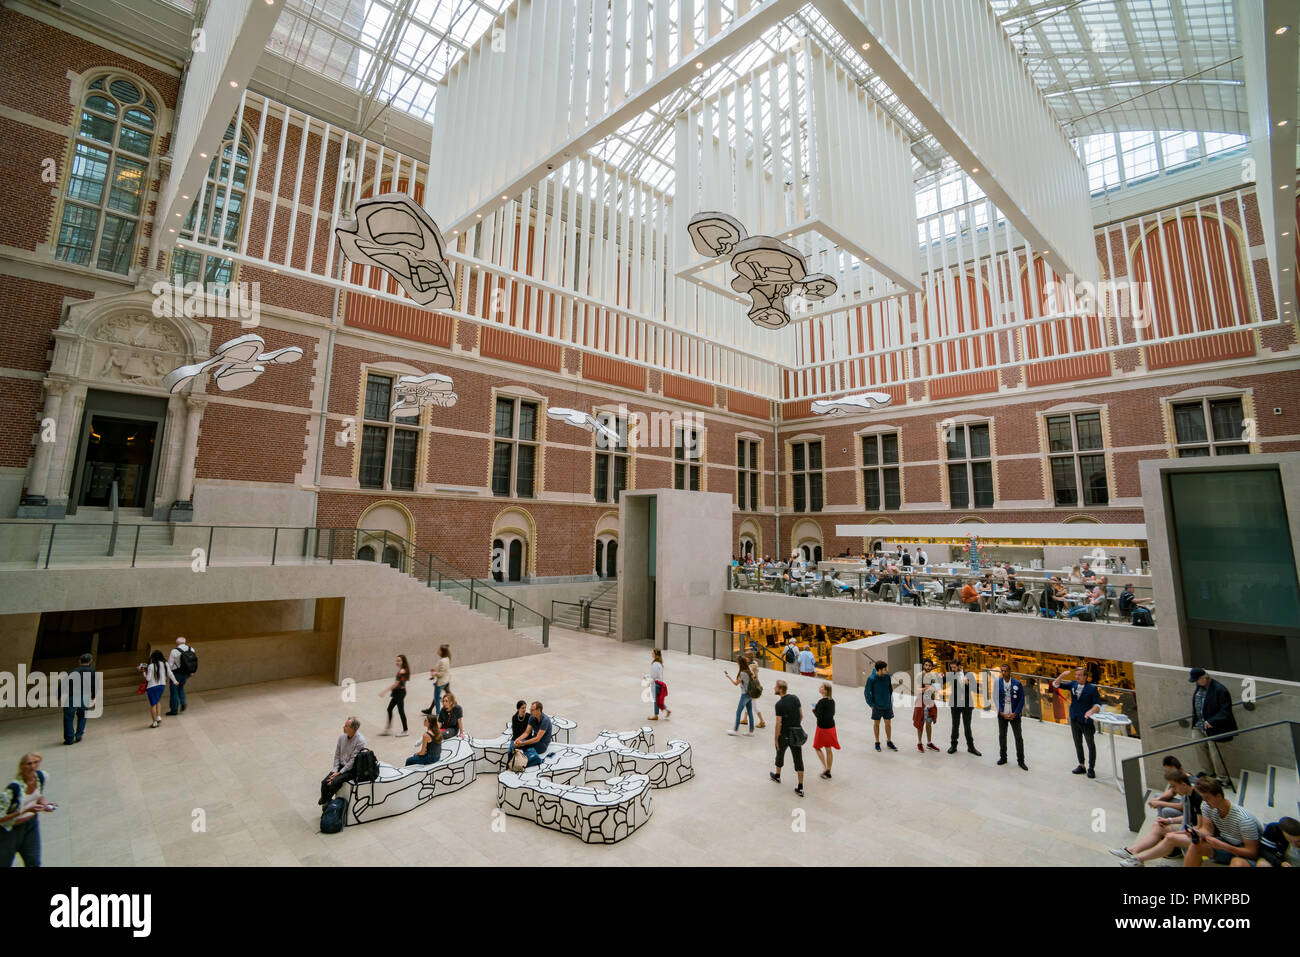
x=556 y=794
x=398 y=790
x=490 y=753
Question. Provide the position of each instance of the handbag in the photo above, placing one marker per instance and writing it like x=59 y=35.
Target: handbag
x=144 y=686
x=797 y=737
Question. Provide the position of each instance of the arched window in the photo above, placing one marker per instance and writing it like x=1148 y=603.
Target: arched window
x=366 y=553
x=611 y=559
x=393 y=556
x=600 y=557
x=232 y=180
x=607 y=556
x=104 y=196
x=509 y=558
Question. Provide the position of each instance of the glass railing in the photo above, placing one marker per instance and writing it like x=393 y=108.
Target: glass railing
x=78 y=544
x=1052 y=705
x=923 y=590
x=699 y=640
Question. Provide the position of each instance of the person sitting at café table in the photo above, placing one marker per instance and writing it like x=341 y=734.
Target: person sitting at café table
x=1013 y=597
x=842 y=586
x=1088 y=608
x=970 y=596
x=910 y=591
x=1128 y=601
x=1076 y=578
x=999 y=574
x=1087 y=572
x=988 y=590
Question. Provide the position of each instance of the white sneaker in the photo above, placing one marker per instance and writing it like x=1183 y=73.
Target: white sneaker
x=734 y=734
x=1131 y=862
x=1122 y=852
x=400 y=734
x=749 y=734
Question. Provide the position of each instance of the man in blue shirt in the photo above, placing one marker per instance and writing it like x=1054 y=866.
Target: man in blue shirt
x=879 y=693
x=1010 y=697
x=537 y=739
x=1085 y=701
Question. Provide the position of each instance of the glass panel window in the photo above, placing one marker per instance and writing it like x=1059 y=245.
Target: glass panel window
x=880 y=485
x=110 y=162
x=389 y=452
x=747 y=460
x=686 y=455
x=611 y=459
x=515 y=451
x=1077 y=479
x=1224 y=434
x=970 y=468
x=220 y=221
x=806 y=476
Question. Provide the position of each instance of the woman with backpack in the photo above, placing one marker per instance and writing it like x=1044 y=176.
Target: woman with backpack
x=23 y=799
x=157 y=675
x=657 y=686
x=755 y=690
x=441 y=676
x=747 y=683
x=397 y=696
x=430 y=744
x=825 y=738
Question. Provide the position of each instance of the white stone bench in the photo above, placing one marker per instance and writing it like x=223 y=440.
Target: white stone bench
x=557 y=793
x=398 y=790
x=490 y=753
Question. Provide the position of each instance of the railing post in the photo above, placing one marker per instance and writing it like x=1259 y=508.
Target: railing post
x=1131 y=771
x=688 y=639
x=275 y=541
x=665 y=644
x=546 y=632
x=510 y=615
x=211 y=531
x=136 y=547
x=49 y=550
x=331 y=546
x=471 y=594
x=428 y=579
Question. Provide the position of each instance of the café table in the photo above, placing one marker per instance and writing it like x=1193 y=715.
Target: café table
x=1113 y=724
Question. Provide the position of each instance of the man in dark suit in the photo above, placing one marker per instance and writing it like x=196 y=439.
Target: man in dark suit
x=1009 y=694
x=961 y=690
x=1211 y=714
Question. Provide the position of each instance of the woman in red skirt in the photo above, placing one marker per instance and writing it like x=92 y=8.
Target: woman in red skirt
x=825 y=739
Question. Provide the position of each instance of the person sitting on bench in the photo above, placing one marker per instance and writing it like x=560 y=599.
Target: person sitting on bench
x=351 y=742
x=536 y=741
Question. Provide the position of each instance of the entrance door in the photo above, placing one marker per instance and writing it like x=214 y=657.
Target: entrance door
x=121 y=436
x=122 y=451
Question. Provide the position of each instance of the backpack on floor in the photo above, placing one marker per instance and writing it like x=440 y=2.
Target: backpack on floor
x=366 y=766
x=1142 y=617
x=331 y=819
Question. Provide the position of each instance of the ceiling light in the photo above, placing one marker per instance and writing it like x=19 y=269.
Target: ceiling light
x=479 y=215
x=204 y=155
x=699 y=64
x=1281 y=30
x=1285 y=186
x=171 y=230
x=186 y=197
x=866 y=46
x=1281 y=122
x=178 y=215
x=234 y=83
x=505 y=197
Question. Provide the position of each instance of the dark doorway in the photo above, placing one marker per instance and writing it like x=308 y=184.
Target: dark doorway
x=117 y=450
x=600 y=557
x=516 y=560
x=67 y=634
x=611 y=560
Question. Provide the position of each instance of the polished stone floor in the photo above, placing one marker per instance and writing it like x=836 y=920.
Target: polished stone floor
x=246 y=762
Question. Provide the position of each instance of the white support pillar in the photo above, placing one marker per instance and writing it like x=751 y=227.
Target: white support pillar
x=189 y=453
x=39 y=477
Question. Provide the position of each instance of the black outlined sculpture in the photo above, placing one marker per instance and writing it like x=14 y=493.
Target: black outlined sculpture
x=584 y=420
x=412 y=393
x=767 y=270
x=398 y=790
x=238 y=363
x=394 y=233
x=845 y=404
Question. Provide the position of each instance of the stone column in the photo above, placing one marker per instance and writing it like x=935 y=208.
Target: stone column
x=189 y=452
x=39 y=479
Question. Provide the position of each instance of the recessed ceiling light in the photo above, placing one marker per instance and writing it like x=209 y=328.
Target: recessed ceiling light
x=866 y=46
x=505 y=197
x=699 y=65
x=974 y=169
x=1286 y=234
x=234 y=83
x=1281 y=30
x=204 y=155
x=178 y=215
x=186 y=197
x=479 y=215
x=171 y=230
x=1281 y=122
x=1285 y=186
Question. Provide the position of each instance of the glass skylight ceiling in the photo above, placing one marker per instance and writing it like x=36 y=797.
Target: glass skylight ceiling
x=1142 y=86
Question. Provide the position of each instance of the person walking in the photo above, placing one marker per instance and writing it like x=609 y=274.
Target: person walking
x=926 y=710
x=657 y=686
x=962 y=704
x=430 y=744
x=756 y=691
x=397 y=695
x=24 y=801
x=157 y=675
x=824 y=738
x=879 y=693
x=1211 y=715
x=1010 y=696
x=807 y=662
x=80 y=689
x=182 y=662
x=743 y=681
x=789 y=733
x=441 y=676
x=1085 y=701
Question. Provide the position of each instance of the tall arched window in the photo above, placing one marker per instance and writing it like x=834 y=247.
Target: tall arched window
x=509 y=558
x=232 y=178
x=106 y=184
x=607 y=555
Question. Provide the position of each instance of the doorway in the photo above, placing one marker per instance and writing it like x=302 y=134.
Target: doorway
x=119 y=443
x=68 y=634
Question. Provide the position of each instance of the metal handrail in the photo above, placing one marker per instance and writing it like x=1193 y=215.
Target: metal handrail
x=1246 y=705
x=1131 y=768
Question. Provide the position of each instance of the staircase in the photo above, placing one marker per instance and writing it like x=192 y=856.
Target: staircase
x=1270 y=794
x=603 y=602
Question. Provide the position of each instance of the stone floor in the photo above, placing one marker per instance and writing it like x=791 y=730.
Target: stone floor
x=246 y=763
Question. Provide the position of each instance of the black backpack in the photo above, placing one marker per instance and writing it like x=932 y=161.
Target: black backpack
x=1142 y=617
x=189 y=663
x=790 y=656
x=366 y=766
x=331 y=819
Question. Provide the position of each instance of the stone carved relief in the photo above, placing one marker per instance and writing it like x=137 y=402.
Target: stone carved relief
x=143 y=332
x=136 y=349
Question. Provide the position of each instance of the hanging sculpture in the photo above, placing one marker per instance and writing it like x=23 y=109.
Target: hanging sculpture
x=412 y=393
x=584 y=420
x=862 y=402
x=238 y=363
x=767 y=270
x=395 y=234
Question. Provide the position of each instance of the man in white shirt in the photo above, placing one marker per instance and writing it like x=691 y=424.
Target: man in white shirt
x=176 y=692
x=349 y=745
x=922 y=559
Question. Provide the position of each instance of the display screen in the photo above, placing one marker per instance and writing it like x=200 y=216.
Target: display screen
x=1234 y=551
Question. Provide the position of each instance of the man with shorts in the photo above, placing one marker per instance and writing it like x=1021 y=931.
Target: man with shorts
x=880 y=698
